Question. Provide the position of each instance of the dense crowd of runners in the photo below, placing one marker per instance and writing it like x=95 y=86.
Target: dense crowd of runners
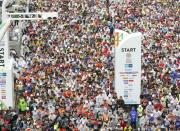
x=65 y=76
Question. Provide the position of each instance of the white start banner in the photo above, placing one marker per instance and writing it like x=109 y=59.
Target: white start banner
x=128 y=66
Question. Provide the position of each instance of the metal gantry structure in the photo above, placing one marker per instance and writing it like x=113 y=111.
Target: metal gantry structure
x=6 y=67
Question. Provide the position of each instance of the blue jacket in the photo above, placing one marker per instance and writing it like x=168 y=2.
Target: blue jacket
x=177 y=124
x=133 y=115
x=174 y=75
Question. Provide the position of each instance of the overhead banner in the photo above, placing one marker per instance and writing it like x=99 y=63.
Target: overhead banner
x=128 y=66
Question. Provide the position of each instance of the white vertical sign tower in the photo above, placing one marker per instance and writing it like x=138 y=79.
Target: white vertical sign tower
x=128 y=66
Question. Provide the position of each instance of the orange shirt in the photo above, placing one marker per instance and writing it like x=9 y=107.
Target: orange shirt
x=99 y=65
x=21 y=78
x=67 y=94
x=105 y=117
x=61 y=110
x=28 y=79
